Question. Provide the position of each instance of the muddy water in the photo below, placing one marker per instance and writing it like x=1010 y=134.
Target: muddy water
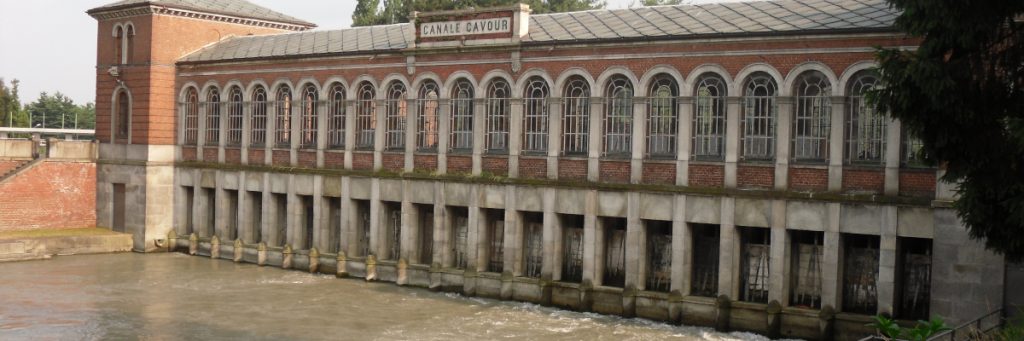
x=175 y=297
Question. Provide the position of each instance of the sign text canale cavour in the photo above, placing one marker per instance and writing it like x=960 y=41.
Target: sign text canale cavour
x=465 y=27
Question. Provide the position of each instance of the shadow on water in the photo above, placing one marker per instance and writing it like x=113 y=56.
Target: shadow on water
x=174 y=296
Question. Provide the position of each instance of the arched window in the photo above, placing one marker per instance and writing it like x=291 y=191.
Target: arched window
x=124 y=112
x=129 y=44
x=259 y=117
x=462 y=116
x=498 y=111
x=397 y=109
x=662 y=117
x=709 y=118
x=366 y=121
x=283 y=117
x=912 y=152
x=336 y=117
x=426 y=123
x=310 y=101
x=535 y=115
x=865 y=126
x=759 y=113
x=118 y=44
x=190 y=108
x=618 y=117
x=812 y=121
x=235 y=117
x=213 y=106
x=575 y=116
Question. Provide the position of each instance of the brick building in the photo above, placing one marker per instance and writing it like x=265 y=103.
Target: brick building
x=706 y=164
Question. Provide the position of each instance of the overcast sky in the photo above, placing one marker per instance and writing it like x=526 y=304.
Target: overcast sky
x=50 y=45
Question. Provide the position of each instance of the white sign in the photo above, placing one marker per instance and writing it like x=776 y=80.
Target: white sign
x=465 y=27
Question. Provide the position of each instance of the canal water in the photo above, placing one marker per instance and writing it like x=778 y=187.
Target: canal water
x=178 y=297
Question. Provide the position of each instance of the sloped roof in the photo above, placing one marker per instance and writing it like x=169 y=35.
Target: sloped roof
x=238 y=8
x=658 y=22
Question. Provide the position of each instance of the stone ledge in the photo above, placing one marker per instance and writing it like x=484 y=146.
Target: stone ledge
x=16 y=248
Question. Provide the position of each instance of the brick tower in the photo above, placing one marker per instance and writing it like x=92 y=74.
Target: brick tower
x=138 y=45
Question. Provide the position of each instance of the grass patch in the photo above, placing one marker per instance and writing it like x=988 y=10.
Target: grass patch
x=89 y=231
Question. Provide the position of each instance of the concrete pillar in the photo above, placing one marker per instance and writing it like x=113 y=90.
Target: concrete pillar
x=271 y=134
x=266 y=220
x=783 y=140
x=554 y=135
x=887 y=259
x=831 y=265
x=440 y=247
x=728 y=251
x=892 y=157
x=515 y=136
x=639 y=139
x=246 y=129
x=321 y=132
x=410 y=224
x=779 y=273
x=836 y=144
x=635 y=245
x=412 y=113
x=350 y=129
x=201 y=133
x=444 y=120
x=596 y=136
x=475 y=233
x=294 y=205
x=479 y=133
x=732 y=139
x=591 y=235
x=551 y=268
x=513 y=251
x=684 y=143
x=295 y=137
x=377 y=236
x=682 y=240
x=320 y=225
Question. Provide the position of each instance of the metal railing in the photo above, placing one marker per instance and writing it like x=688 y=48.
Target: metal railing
x=972 y=330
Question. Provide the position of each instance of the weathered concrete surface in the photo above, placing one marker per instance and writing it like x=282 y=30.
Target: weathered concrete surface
x=28 y=248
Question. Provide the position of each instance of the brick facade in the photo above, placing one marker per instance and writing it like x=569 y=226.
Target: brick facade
x=280 y=158
x=614 y=171
x=863 y=180
x=755 y=176
x=425 y=163
x=50 y=195
x=808 y=179
x=533 y=168
x=334 y=159
x=662 y=173
x=256 y=156
x=233 y=156
x=702 y=175
x=572 y=169
x=362 y=161
x=307 y=159
x=460 y=164
x=917 y=182
x=496 y=165
x=394 y=162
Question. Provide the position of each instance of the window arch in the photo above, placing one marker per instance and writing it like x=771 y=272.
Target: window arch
x=618 y=117
x=336 y=116
x=310 y=118
x=575 y=116
x=258 y=118
x=213 y=106
x=235 y=117
x=283 y=117
x=397 y=110
x=662 y=117
x=813 y=117
x=366 y=121
x=123 y=109
x=119 y=44
x=709 y=118
x=498 y=112
x=759 y=115
x=865 y=126
x=190 y=107
x=462 y=116
x=426 y=122
x=535 y=115
x=129 y=44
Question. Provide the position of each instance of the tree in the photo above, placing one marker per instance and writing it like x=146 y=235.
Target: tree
x=58 y=111
x=962 y=93
x=11 y=113
x=397 y=11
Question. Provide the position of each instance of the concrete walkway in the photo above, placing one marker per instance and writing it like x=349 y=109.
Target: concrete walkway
x=43 y=244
